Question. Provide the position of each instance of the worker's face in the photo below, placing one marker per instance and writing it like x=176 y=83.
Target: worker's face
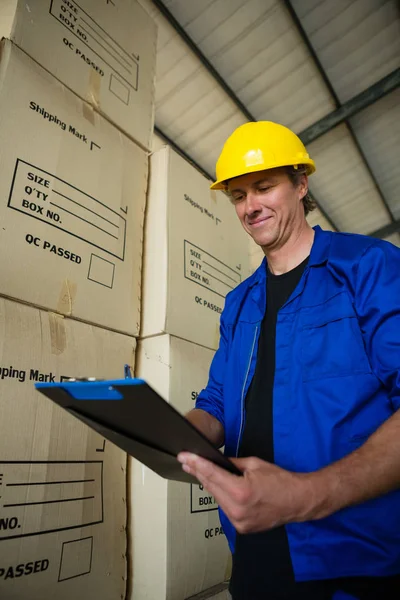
x=268 y=205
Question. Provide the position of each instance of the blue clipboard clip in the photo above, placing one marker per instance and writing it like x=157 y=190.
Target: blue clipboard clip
x=127 y=375
x=128 y=372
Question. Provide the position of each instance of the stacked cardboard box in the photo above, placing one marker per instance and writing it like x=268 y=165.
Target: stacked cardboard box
x=195 y=252
x=103 y=51
x=73 y=198
x=76 y=113
x=62 y=486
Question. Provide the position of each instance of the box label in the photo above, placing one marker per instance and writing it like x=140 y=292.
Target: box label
x=19 y=570
x=200 y=499
x=58 y=203
x=208 y=271
x=213 y=532
x=71 y=491
x=96 y=46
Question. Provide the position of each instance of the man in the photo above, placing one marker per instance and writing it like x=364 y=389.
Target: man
x=304 y=391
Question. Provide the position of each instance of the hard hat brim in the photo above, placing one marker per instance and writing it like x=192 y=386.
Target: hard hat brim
x=222 y=183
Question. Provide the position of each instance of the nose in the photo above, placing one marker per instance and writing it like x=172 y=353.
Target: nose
x=253 y=205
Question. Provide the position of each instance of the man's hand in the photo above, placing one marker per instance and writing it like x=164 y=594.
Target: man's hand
x=266 y=496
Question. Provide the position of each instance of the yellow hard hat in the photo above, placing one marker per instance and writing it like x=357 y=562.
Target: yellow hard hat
x=260 y=145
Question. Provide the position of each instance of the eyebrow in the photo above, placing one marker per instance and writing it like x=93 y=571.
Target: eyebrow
x=255 y=183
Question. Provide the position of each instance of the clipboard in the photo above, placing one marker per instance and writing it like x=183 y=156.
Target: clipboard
x=131 y=414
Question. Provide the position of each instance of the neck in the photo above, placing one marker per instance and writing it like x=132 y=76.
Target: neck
x=292 y=253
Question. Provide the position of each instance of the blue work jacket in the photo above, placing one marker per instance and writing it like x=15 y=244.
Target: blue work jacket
x=337 y=379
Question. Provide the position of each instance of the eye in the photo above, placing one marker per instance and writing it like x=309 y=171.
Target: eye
x=264 y=189
x=236 y=199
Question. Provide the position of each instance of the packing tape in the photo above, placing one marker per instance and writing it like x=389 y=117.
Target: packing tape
x=88 y=113
x=58 y=334
x=67 y=297
x=94 y=88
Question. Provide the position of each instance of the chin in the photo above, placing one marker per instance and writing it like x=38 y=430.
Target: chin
x=265 y=238
x=265 y=241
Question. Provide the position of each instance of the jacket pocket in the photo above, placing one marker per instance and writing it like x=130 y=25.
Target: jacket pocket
x=331 y=340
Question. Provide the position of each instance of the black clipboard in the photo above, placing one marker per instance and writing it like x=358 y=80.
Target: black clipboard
x=132 y=415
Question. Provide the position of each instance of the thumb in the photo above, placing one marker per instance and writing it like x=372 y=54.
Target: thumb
x=243 y=464
x=248 y=464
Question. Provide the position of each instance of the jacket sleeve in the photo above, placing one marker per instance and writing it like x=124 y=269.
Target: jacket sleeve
x=211 y=399
x=378 y=308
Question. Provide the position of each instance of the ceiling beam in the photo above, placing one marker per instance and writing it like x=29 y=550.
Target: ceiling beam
x=387 y=230
x=298 y=25
x=332 y=91
x=182 y=153
x=378 y=90
x=202 y=58
x=324 y=213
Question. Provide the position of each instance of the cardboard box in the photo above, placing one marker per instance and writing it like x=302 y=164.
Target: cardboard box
x=195 y=252
x=103 y=51
x=221 y=596
x=211 y=595
x=72 y=200
x=178 y=546
x=217 y=592
x=62 y=486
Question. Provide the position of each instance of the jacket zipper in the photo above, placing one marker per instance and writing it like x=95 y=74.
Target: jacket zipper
x=243 y=388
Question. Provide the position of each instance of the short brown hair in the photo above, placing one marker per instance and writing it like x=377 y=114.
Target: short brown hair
x=294 y=174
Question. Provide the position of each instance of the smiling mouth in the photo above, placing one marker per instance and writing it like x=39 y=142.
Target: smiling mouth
x=259 y=222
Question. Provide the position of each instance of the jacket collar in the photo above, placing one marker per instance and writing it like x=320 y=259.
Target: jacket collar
x=321 y=247
x=319 y=255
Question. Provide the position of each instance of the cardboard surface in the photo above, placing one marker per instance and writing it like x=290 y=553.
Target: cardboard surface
x=256 y=255
x=221 y=596
x=187 y=551
x=72 y=199
x=103 y=51
x=195 y=252
x=219 y=592
x=62 y=486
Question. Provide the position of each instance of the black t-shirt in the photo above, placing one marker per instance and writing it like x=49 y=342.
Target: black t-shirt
x=261 y=559
x=257 y=437
x=262 y=566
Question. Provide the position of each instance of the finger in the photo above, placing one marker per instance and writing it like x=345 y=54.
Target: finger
x=183 y=456
x=226 y=488
x=219 y=482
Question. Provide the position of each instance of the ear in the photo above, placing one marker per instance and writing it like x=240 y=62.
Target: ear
x=303 y=186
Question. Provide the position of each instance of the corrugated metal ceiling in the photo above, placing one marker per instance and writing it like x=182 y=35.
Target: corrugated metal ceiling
x=378 y=129
x=256 y=49
x=357 y=41
x=292 y=62
x=343 y=184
